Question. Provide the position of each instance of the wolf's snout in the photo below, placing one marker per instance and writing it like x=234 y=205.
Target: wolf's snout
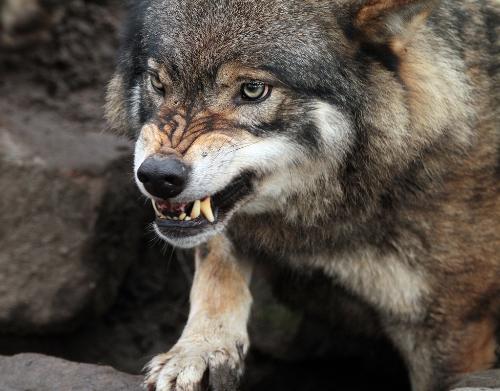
x=163 y=177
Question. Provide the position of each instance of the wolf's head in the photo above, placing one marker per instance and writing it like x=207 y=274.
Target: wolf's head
x=304 y=107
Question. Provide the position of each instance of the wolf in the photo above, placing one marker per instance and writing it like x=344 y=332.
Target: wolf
x=359 y=138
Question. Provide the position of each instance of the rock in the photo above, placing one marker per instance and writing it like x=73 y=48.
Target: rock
x=476 y=389
x=42 y=373
x=488 y=380
x=69 y=222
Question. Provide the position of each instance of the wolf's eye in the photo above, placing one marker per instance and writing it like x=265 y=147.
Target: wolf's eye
x=156 y=83
x=255 y=91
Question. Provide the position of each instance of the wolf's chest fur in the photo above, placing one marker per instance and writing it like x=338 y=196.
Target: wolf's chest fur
x=392 y=286
x=377 y=270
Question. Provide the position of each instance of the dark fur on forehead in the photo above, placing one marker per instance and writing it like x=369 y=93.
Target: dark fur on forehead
x=193 y=38
x=200 y=34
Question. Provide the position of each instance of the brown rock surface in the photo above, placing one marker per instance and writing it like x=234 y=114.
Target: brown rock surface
x=41 y=373
x=56 y=190
x=69 y=221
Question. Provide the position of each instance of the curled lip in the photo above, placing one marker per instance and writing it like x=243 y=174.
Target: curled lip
x=189 y=219
x=172 y=228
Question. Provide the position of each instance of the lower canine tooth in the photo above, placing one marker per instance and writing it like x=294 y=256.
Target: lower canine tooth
x=206 y=209
x=195 y=212
x=182 y=216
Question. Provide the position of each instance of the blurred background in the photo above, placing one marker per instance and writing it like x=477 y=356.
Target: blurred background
x=82 y=277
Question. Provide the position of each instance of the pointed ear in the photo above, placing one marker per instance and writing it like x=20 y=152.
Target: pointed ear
x=379 y=21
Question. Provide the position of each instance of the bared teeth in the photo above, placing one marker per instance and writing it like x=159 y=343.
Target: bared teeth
x=206 y=209
x=157 y=211
x=195 y=212
x=199 y=208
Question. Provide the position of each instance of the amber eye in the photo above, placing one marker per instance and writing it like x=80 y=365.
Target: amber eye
x=156 y=83
x=255 y=91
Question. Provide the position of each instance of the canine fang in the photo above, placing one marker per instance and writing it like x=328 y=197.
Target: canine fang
x=195 y=212
x=206 y=209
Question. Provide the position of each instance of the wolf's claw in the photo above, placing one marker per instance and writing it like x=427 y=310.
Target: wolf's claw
x=196 y=366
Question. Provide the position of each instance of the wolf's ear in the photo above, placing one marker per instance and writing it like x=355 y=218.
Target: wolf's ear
x=116 y=107
x=379 y=21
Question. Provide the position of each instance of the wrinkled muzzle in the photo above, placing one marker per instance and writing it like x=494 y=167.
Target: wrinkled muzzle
x=198 y=177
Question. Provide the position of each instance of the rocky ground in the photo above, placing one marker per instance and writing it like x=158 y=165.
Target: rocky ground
x=82 y=277
x=42 y=373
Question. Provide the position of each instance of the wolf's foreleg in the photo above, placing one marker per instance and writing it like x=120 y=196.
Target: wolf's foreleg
x=214 y=342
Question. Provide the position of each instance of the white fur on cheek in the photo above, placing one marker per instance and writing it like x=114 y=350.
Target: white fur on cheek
x=277 y=156
x=215 y=171
x=135 y=102
x=139 y=157
x=335 y=128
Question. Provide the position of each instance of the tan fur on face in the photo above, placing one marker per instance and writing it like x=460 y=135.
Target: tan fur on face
x=155 y=141
x=183 y=126
x=214 y=142
x=181 y=135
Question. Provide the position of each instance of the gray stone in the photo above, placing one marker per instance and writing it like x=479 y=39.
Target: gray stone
x=476 y=389
x=32 y=372
x=489 y=380
x=69 y=223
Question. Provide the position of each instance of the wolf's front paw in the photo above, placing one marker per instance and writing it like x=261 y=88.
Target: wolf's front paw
x=196 y=365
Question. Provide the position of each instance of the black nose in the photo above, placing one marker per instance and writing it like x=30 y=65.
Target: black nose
x=163 y=177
